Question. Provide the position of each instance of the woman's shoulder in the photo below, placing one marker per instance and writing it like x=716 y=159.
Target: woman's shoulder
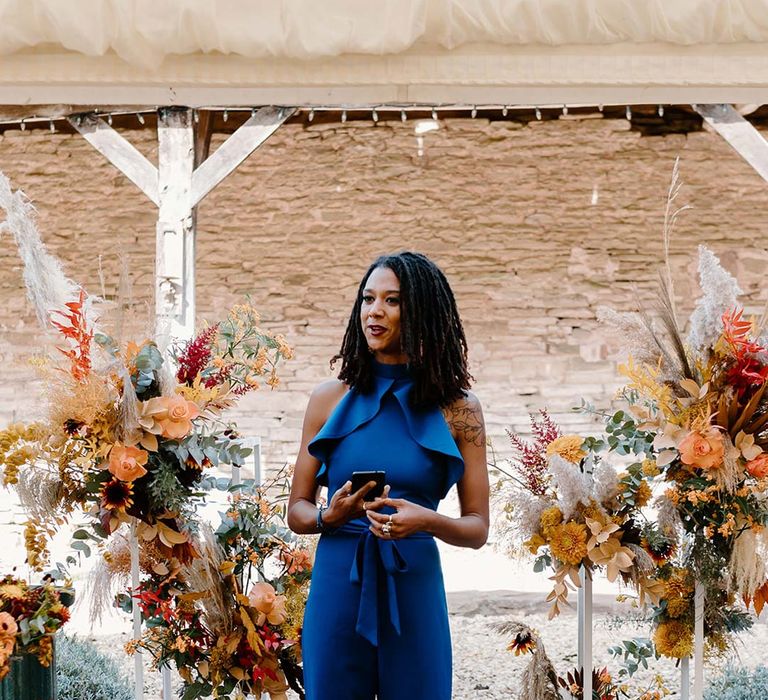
x=324 y=398
x=464 y=417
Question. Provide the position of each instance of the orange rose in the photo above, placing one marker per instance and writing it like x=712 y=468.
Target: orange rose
x=703 y=449
x=296 y=561
x=176 y=417
x=271 y=606
x=127 y=463
x=758 y=467
x=8 y=626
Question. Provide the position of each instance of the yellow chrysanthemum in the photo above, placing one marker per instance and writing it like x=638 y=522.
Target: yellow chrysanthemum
x=533 y=544
x=674 y=639
x=568 y=447
x=643 y=494
x=568 y=542
x=650 y=468
x=551 y=517
x=677 y=607
x=593 y=511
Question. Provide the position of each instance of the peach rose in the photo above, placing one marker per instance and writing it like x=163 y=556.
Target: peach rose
x=703 y=449
x=127 y=463
x=176 y=417
x=271 y=606
x=296 y=560
x=8 y=626
x=758 y=467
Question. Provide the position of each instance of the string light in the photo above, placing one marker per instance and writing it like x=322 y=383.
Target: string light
x=226 y=115
x=504 y=111
x=253 y=112
x=434 y=113
x=474 y=111
x=660 y=110
x=343 y=116
x=23 y=125
x=538 y=114
x=52 y=127
x=628 y=113
x=196 y=116
x=109 y=119
x=140 y=117
x=565 y=110
x=311 y=115
x=599 y=108
x=403 y=115
x=374 y=115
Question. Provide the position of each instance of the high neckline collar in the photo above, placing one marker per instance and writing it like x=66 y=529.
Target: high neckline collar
x=398 y=371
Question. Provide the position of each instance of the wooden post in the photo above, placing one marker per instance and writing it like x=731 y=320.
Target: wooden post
x=584 y=617
x=175 y=260
x=698 y=643
x=138 y=659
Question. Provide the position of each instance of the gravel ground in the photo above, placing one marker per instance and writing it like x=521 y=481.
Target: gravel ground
x=483 y=668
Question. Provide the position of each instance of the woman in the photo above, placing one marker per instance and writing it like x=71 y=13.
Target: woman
x=376 y=623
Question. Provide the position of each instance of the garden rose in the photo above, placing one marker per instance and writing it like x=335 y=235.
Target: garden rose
x=703 y=449
x=8 y=626
x=127 y=463
x=758 y=467
x=176 y=418
x=271 y=606
x=296 y=560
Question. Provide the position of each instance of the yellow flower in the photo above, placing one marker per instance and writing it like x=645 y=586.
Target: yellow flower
x=674 y=639
x=533 y=544
x=643 y=494
x=650 y=468
x=549 y=518
x=676 y=607
x=568 y=542
x=568 y=447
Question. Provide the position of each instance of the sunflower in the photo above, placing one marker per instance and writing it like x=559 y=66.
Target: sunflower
x=116 y=495
x=568 y=447
x=568 y=542
x=522 y=643
x=674 y=639
x=659 y=548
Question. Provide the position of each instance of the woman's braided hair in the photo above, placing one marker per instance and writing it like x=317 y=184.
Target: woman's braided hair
x=431 y=333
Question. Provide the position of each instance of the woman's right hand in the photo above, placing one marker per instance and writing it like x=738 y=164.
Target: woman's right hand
x=346 y=505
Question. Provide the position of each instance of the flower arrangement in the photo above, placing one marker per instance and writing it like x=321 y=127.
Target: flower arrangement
x=29 y=617
x=231 y=621
x=570 y=508
x=126 y=436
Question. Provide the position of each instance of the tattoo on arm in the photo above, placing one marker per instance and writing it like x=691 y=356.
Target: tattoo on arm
x=466 y=420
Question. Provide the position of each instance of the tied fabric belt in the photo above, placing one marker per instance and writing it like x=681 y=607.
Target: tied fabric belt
x=371 y=551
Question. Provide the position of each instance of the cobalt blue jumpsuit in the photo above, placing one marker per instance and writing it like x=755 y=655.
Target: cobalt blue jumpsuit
x=376 y=623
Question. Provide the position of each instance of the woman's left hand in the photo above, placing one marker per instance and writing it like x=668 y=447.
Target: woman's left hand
x=408 y=519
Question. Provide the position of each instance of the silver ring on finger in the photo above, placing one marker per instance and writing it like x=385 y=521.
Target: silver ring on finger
x=386 y=528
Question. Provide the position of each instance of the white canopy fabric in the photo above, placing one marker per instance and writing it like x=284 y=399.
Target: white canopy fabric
x=357 y=51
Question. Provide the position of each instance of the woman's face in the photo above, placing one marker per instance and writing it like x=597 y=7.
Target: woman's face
x=380 y=316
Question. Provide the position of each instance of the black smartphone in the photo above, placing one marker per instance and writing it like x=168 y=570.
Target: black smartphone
x=360 y=479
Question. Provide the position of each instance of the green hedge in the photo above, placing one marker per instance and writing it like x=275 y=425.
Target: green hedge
x=739 y=684
x=84 y=673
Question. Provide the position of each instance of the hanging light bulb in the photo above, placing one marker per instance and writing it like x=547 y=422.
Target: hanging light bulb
x=537 y=112
x=599 y=108
x=140 y=117
x=52 y=127
x=374 y=115
x=504 y=111
x=109 y=119
x=565 y=110
x=474 y=111
x=253 y=111
x=660 y=110
x=23 y=125
x=196 y=116
x=628 y=113
x=311 y=114
x=403 y=115
x=343 y=115
x=434 y=113
x=226 y=115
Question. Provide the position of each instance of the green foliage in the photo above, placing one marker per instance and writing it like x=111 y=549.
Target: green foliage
x=84 y=673
x=739 y=684
x=633 y=654
x=164 y=487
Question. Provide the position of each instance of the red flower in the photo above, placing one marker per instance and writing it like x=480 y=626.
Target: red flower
x=195 y=356
x=746 y=371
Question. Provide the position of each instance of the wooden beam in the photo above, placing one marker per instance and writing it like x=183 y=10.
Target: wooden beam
x=118 y=151
x=742 y=136
x=236 y=149
x=203 y=134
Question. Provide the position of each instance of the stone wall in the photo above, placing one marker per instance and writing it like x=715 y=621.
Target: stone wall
x=535 y=226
